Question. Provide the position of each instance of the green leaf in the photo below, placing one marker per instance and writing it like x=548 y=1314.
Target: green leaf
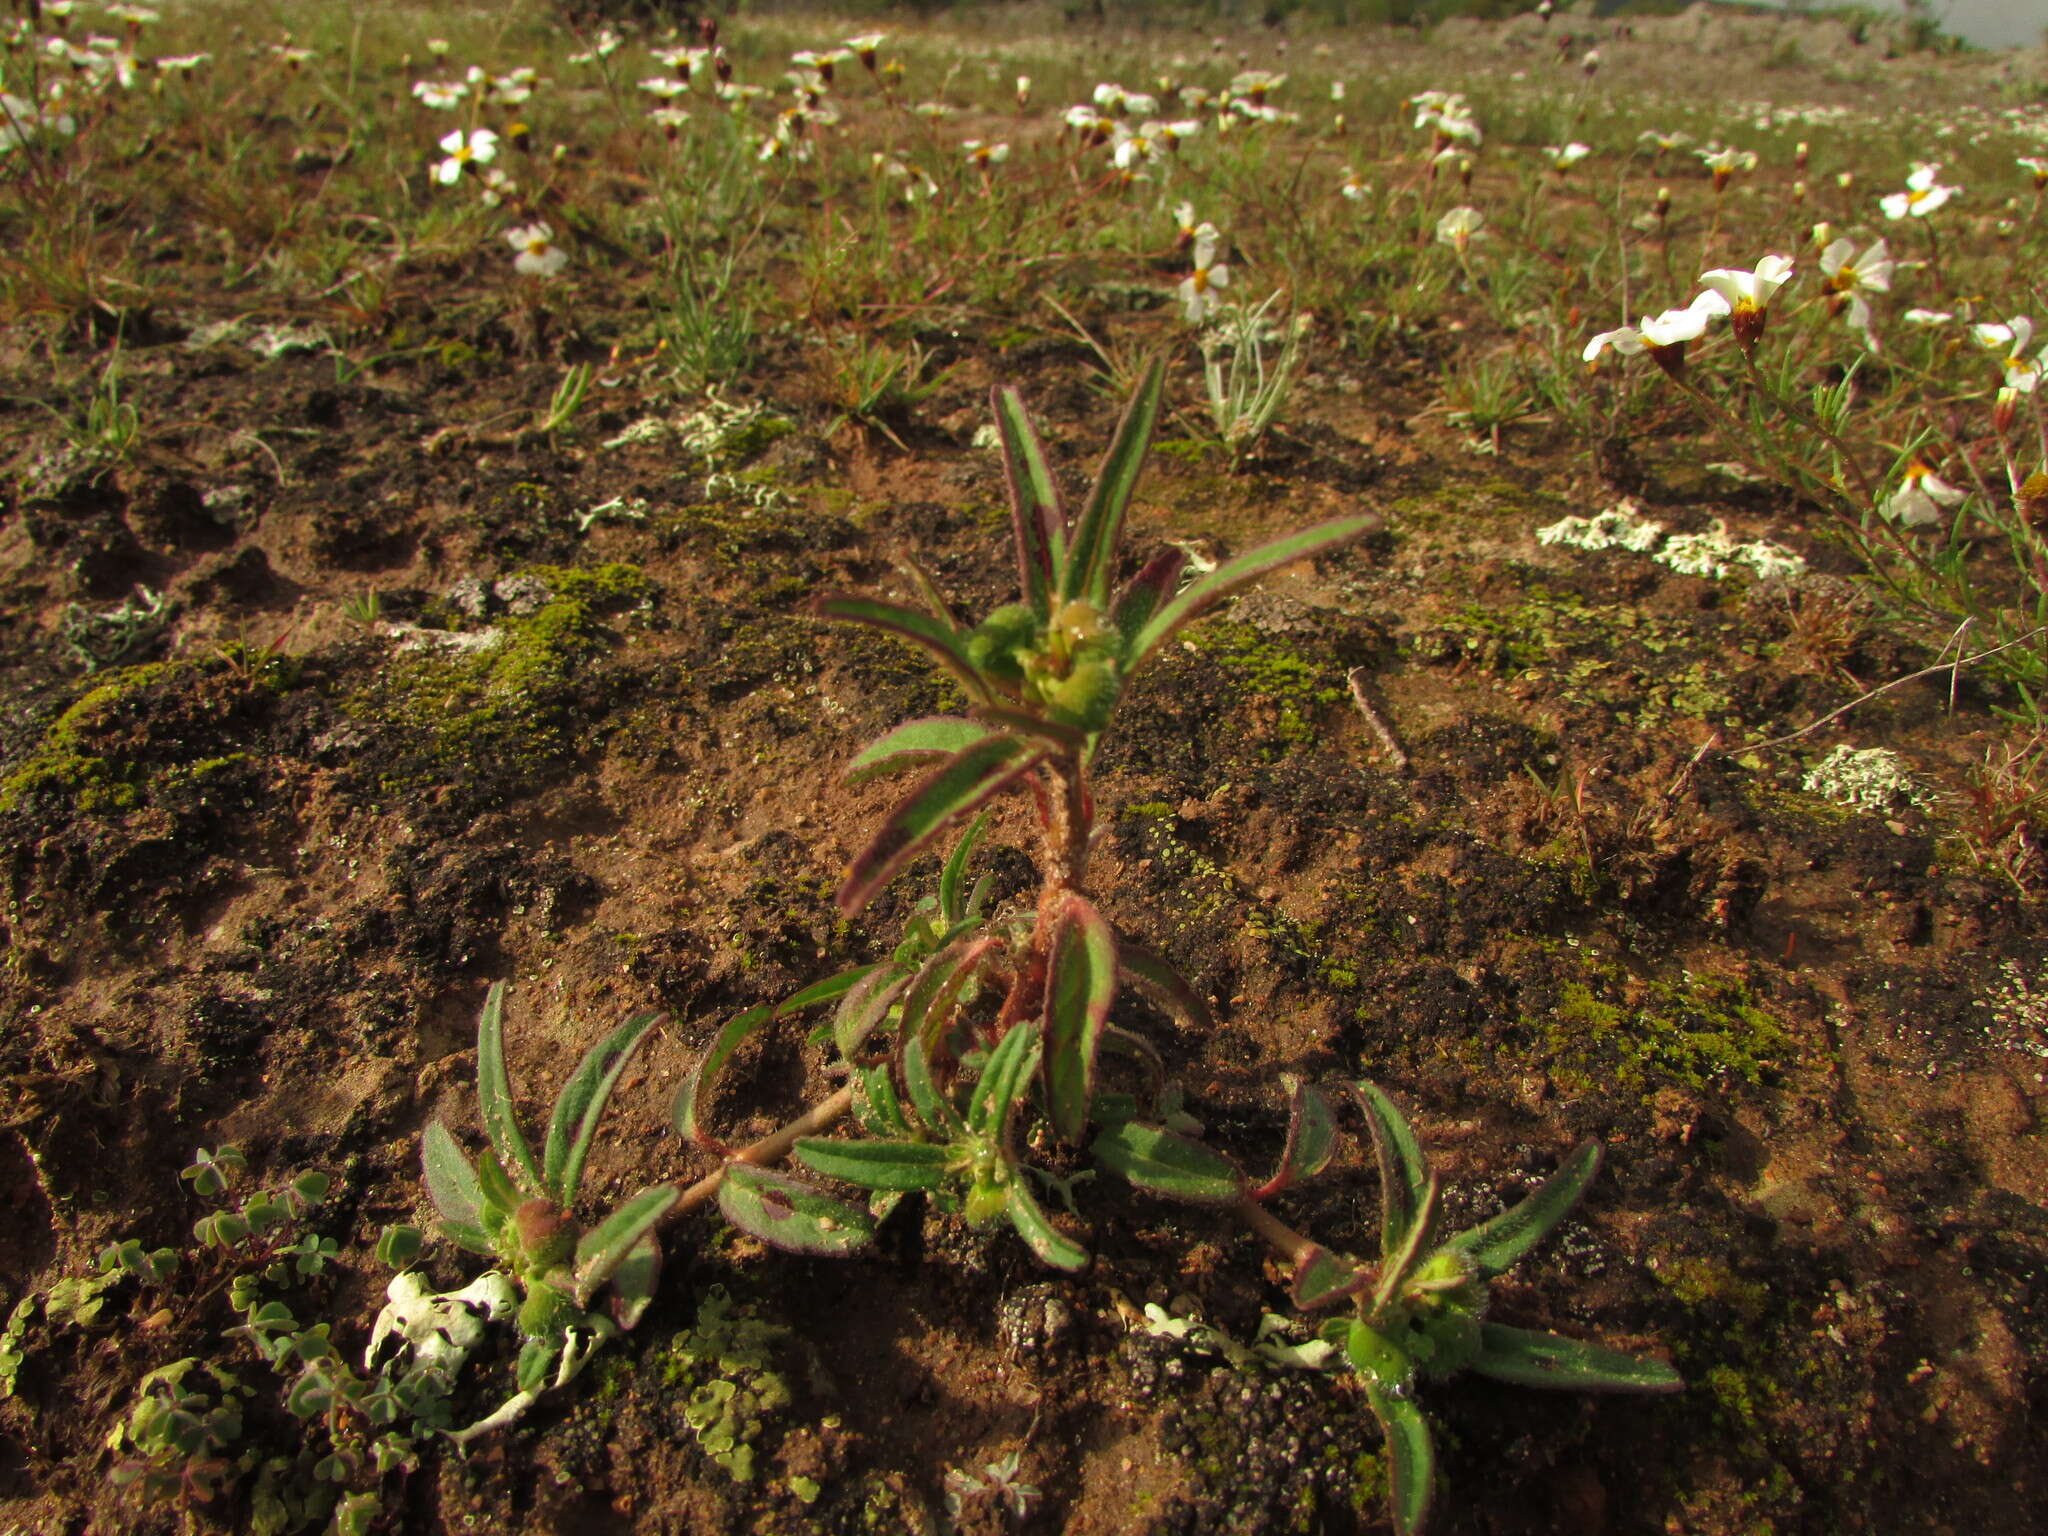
x=1531 y=1359
x=900 y=1165
x=451 y=1178
x=863 y=1009
x=1321 y=1277
x=825 y=991
x=1038 y=522
x=928 y=1000
x=1234 y=573
x=876 y=1106
x=1411 y=1456
x=1080 y=986
x=1091 y=552
x=1146 y=593
x=1003 y=1074
x=494 y=1095
x=1167 y=1163
x=696 y=1087
x=1163 y=986
x=789 y=1214
x=501 y=1196
x=1032 y=726
x=581 y=1106
x=913 y=742
x=941 y=641
x=938 y=1115
x=963 y=783
x=634 y=1282
x=1311 y=1138
x=611 y=1242
x=951 y=909
x=1051 y=1245
x=1497 y=1244
x=1403 y=1172
x=1397 y=1263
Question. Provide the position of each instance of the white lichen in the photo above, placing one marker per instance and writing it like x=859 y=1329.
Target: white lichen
x=1713 y=555
x=1865 y=779
x=1621 y=526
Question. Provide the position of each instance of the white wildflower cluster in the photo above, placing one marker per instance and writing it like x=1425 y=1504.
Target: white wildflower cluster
x=1865 y=779
x=1714 y=554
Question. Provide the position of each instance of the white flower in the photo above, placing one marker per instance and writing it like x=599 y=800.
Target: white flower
x=538 y=253
x=1564 y=156
x=1186 y=225
x=1927 y=317
x=1661 y=141
x=1688 y=324
x=2013 y=338
x=440 y=95
x=1724 y=163
x=479 y=146
x=666 y=88
x=981 y=156
x=1625 y=339
x=1457 y=228
x=1748 y=295
x=1921 y=495
x=1198 y=289
x=1129 y=148
x=2038 y=169
x=1355 y=186
x=496 y=187
x=1922 y=196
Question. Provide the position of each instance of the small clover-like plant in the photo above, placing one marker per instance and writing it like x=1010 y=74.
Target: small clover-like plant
x=516 y=1208
x=1420 y=1313
x=986 y=1032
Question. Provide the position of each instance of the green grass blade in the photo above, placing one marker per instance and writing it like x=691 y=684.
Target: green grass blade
x=1498 y=1243
x=898 y=1165
x=914 y=742
x=1080 y=986
x=1091 y=553
x=1531 y=1359
x=959 y=786
x=581 y=1105
x=789 y=1214
x=1248 y=567
x=494 y=1094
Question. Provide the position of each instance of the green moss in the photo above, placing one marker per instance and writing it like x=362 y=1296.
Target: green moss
x=1701 y=1282
x=1265 y=667
x=1694 y=1033
x=506 y=706
x=725 y=1363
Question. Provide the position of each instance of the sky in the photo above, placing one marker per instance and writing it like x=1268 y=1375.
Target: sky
x=1994 y=23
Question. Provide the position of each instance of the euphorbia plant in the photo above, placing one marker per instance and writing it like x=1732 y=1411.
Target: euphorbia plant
x=982 y=1020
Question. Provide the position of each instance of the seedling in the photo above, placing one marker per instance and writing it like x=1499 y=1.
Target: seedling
x=515 y=1208
x=1420 y=1313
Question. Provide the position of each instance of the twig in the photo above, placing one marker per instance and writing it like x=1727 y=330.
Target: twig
x=769 y=1149
x=1389 y=742
x=1953 y=668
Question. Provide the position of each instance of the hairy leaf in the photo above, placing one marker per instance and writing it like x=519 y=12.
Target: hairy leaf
x=1397 y=1263
x=1321 y=1277
x=864 y=1008
x=612 y=1241
x=451 y=1179
x=1411 y=1456
x=494 y=1095
x=937 y=639
x=1080 y=986
x=1531 y=1359
x=1051 y=1245
x=787 y=1213
x=696 y=1088
x=932 y=1106
x=581 y=1105
x=1038 y=522
x=1311 y=1138
x=634 y=1282
x=831 y=988
x=900 y=1165
x=1146 y=593
x=962 y=784
x=1162 y=985
x=1248 y=567
x=1091 y=552
x=876 y=1105
x=1167 y=1163
x=913 y=742
x=1403 y=1172
x=1002 y=1075
x=1497 y=1244
x=951 y=908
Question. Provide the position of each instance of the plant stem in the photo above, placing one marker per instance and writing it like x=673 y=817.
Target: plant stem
x=1283 y=1239
x=769 y=1149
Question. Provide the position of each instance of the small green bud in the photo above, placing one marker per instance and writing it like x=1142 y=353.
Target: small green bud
x=1085 y=698
x=994 y=646
x=546 y=1239
x=1373 y=1354
x=546 y=1313
x=987 y=1200
x=1452 y=1339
